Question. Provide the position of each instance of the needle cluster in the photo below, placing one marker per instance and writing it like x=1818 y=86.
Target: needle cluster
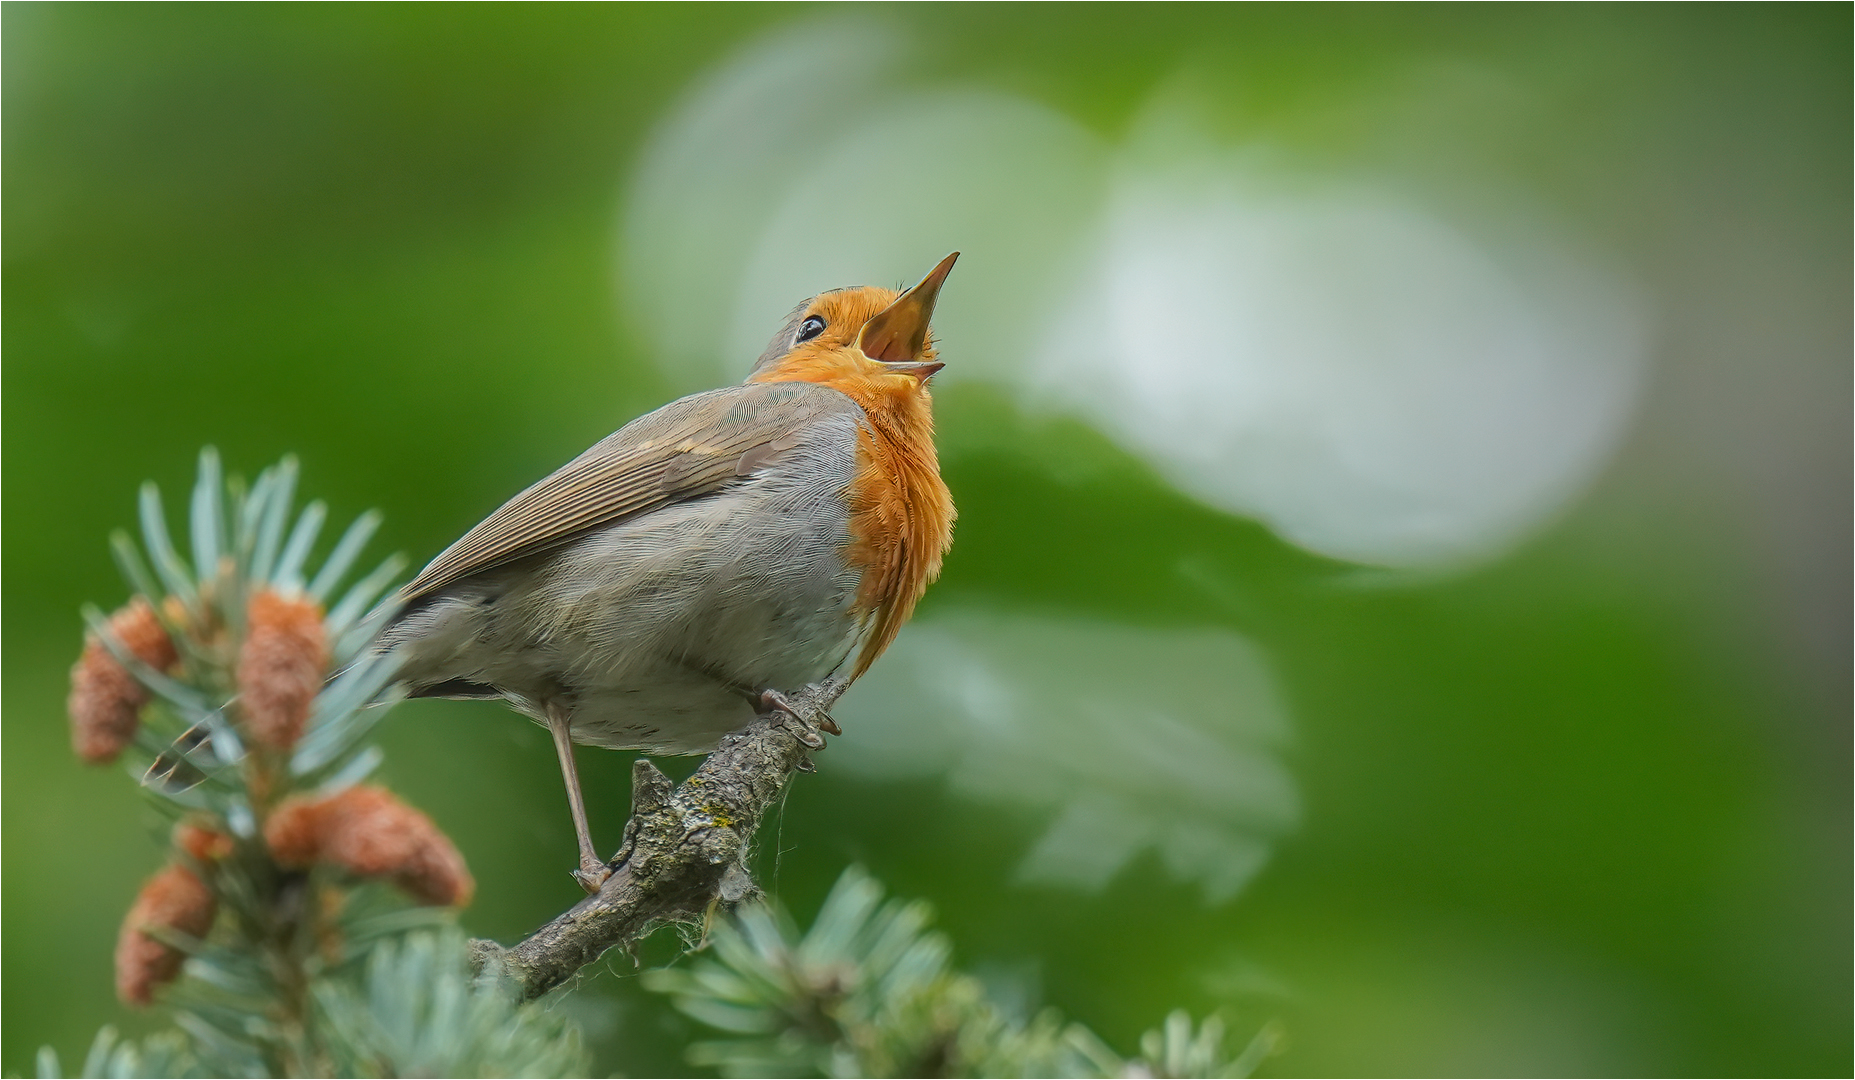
x=870 y=990
x=302 y=925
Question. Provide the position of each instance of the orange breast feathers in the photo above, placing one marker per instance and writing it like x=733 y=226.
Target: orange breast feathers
x=901 y=514
x=901 y=522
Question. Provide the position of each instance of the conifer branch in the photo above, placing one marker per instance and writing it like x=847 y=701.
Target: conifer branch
x=685 y=848
x=302 y=924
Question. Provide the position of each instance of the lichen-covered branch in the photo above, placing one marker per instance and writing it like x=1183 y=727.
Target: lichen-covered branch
x=684 y=848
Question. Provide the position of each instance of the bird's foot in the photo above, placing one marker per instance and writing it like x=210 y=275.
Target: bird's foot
x=591 y=874
x=804 y=713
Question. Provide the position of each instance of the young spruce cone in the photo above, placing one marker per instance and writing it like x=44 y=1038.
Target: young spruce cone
x=368 y=832
x=281 y=666
x=204 y=843
x=106 y=701
x=174 y=899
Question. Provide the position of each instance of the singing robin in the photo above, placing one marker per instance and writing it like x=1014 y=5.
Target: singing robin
x=659 y=590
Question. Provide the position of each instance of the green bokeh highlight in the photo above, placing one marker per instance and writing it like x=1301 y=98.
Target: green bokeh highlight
x=1581 y=811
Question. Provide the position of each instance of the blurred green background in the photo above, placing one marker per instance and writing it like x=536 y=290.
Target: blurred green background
x=1576 y=802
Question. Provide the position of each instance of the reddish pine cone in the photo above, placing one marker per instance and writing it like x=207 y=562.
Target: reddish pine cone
x=174 y=899
x=368 y=832
x=205 y=844
x=280 y=666
x=106 y=701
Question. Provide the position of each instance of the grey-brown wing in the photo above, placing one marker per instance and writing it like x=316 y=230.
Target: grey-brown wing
x=686 y=449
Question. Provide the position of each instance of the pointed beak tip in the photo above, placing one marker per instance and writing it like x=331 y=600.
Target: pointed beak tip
x=899 y=332
x=940 y=271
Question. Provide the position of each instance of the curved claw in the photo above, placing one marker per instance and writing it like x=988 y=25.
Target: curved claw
x=592 y=877
x=804 y=728
x=808 y=738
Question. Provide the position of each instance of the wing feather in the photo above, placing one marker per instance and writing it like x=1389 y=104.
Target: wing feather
x=684 y=450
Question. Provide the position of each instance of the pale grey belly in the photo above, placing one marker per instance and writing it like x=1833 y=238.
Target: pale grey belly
x=656 y=632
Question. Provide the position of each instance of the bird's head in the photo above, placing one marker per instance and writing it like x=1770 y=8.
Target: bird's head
x=870 y=342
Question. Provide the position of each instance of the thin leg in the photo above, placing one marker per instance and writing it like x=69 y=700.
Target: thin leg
x=593 y=871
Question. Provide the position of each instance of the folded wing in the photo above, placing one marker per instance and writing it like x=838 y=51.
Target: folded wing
x=685 y=450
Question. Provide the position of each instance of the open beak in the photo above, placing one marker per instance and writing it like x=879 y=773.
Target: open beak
x=896 y=337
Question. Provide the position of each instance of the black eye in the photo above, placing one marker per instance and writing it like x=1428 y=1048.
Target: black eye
x=810 y=328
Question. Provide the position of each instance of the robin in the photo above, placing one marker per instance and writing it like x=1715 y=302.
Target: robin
x=688 y=571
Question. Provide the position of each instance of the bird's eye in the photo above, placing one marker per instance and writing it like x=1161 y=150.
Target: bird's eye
x=811 y=328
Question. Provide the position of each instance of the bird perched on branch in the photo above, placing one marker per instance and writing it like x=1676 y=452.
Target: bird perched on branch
x=709 y=558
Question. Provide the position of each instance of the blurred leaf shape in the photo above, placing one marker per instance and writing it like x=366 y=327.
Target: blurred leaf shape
x=1379 y=374
x=1332 y=356
x=1132 y=738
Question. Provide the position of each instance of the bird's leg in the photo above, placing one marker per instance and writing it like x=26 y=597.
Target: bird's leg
x=593 y=871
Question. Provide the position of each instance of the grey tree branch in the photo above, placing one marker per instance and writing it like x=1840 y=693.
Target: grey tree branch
x=685 y=847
